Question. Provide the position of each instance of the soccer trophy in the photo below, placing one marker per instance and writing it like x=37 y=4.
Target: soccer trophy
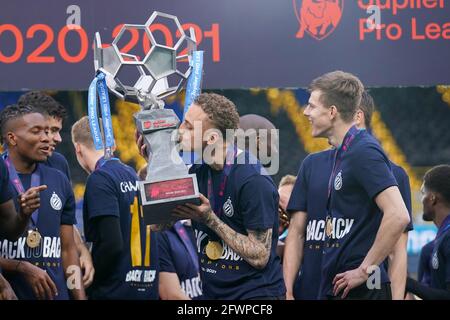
x=168 y=182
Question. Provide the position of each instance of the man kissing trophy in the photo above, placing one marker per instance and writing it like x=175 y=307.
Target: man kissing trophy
x=168 y=182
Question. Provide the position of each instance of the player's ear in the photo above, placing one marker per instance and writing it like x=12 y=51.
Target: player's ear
x=333 y=111
x=359 y=117
x=11 y=139
x=77 y=147
x=434 y=197
x=212 y=136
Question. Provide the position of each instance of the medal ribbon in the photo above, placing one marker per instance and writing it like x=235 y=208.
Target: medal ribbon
x=15 y=180
x=444 y=227
x=344 y=147
x=217 y=205
x=182 y=233
x=102 y=161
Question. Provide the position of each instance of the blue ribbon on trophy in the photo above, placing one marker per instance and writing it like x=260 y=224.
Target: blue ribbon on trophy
x=193 y=87
x=98 y=86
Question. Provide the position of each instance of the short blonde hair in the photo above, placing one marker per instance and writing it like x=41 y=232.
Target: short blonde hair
x=287 y=180
x=81 y=132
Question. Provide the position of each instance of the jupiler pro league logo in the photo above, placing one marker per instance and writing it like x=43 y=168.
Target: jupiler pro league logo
x=318 y=18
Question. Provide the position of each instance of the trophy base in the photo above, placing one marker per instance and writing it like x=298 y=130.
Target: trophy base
x=160 y=197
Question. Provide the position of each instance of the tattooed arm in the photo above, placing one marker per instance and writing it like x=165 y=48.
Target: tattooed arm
x=253 y=248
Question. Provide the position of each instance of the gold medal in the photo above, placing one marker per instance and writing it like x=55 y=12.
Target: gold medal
x=329 y=227
x=214 y=250
x=33 y=239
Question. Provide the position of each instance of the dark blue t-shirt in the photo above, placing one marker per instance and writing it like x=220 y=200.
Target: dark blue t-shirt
x=174 y=258
x=6 y=188
x=405 y=190
x=440 y=259
x=111 y=190
x=57 y=208
x=309 y=195
x=58 y=161
x=423 y=272
x=251 y=203
x=363 y=171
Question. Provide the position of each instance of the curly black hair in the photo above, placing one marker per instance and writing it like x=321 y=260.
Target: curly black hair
x=437 y=179
x=44 y=103
x=11 y=112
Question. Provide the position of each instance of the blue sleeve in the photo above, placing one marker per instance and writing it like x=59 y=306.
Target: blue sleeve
x=6 y=188
x=65 y=168
x=101 y=196
x=68 y=213
x=446 y=253
x=298 y=199
x=59 y=162
x=165 y=256
x=405 y=190
x=258 y=201
x=372 y=170
x=422 y=265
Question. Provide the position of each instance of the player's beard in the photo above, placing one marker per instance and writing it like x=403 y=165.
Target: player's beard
x=427 y=216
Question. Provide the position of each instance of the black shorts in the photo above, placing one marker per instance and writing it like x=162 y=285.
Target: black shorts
x=364 y=293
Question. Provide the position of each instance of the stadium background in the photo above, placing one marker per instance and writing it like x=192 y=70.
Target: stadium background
x=411 y=123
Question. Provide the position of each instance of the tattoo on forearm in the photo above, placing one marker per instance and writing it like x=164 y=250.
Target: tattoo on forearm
x=254 y=248
x=264 y=237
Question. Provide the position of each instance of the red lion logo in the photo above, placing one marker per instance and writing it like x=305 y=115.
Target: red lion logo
x=318 y=17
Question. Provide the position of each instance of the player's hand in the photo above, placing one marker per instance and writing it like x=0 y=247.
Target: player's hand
x=199 y=213
x=142 y=147
x=348 y=280
x=30 y=200
x=6 y=292
x=289 y=296
x=41 y=283
x=87 y=267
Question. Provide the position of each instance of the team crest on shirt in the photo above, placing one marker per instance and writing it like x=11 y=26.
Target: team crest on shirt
x=338 y=181
x=435 y=261
x=55 y=202
x=228 y=208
